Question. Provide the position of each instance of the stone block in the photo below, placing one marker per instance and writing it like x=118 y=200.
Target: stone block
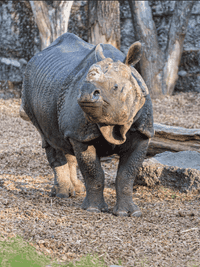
x=179 y=171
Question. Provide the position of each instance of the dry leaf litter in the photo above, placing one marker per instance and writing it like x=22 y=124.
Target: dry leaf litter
x=168 y=233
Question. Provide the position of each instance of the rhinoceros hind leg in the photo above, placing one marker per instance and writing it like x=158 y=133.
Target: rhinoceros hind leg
x=72 y=162
x=23 y=114
x=63 y=186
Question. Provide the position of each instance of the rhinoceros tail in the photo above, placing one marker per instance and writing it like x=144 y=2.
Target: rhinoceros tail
x=23 y=114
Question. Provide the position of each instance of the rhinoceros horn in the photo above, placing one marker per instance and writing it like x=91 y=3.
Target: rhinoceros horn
x=99 y=53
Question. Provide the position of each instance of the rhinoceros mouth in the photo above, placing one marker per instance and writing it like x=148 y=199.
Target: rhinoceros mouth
x=90 y=104
x=114 y=134
x=92 y=110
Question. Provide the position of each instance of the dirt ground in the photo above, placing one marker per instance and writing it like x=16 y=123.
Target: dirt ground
x=168 y=233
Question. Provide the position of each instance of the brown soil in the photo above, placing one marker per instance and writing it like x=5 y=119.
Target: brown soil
x=168 y=233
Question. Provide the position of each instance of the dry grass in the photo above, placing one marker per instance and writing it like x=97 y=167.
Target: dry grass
x=168 y=234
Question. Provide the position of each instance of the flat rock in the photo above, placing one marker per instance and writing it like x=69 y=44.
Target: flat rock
x=179 y=170
x=184 y=159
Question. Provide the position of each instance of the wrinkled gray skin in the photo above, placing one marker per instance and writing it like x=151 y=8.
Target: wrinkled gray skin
x=87 y=102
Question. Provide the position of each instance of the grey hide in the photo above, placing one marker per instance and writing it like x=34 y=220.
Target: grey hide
x=88 y=102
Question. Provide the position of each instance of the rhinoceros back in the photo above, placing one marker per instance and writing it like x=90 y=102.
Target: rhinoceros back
x=44 y=77
x=51 y=83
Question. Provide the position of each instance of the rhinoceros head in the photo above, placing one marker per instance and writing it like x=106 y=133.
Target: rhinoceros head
x=110 y=95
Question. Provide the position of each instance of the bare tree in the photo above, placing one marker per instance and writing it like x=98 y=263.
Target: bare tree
x=52 y=21
x=104 y=22
x=160 y=69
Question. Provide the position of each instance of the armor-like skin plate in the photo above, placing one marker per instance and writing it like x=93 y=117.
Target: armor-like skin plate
x=88 y=102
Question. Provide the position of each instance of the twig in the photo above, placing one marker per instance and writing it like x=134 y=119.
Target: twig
x=99 y=220
x=118 y=238
x=4 y=83
x=189 y=230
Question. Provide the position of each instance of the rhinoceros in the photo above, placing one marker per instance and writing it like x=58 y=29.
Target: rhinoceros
x=88 y=102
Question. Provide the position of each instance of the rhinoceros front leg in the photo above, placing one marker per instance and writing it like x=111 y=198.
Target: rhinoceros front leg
x=63 y=187
x=90 y=166
x=129 y=164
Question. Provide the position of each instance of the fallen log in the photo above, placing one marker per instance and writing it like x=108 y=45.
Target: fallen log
x=174 y=139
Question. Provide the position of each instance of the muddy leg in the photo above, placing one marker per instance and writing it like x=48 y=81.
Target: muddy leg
x=72 y=162
x=129 y=164
x=63 y=186
x=89 y=164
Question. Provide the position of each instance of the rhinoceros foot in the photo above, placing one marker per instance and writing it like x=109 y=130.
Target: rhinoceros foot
x=65 y=192
x=127 y=209
x=94 y=206
x=79 y=186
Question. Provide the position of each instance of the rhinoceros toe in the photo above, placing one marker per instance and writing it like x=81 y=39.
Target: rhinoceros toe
x=66 y=195
x=92 y=206
x=97 y=210
x=79 y=187
x=62 y=192
x=137 y=213
x=93 y=209
x=130 y=210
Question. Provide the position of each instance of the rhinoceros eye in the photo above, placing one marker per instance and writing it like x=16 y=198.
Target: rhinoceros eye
x=115 y=87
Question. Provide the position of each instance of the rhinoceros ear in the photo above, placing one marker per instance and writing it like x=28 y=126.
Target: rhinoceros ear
x=99 y=53
x=134 y=54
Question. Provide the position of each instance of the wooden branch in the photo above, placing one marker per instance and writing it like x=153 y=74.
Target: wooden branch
x=40 y=13
x=104 y=22
x=178 y=29
x=174 y=139
x=59 y=17
x=51 y=21
x=159 y=69
x=151 y=63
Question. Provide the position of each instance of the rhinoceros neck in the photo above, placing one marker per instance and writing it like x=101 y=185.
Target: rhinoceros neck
x=140 y=81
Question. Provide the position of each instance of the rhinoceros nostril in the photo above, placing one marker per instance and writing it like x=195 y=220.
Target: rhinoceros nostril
x=96 y=92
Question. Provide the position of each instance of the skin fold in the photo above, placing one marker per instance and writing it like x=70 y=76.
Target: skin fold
x=88 y=102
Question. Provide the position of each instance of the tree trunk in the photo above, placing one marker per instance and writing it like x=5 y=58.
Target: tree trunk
x=160 y=70
x=104 y=22
x=41 y=15
x=51 y=21
x=151 y=63
x=178 y=29
x=59 y=17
